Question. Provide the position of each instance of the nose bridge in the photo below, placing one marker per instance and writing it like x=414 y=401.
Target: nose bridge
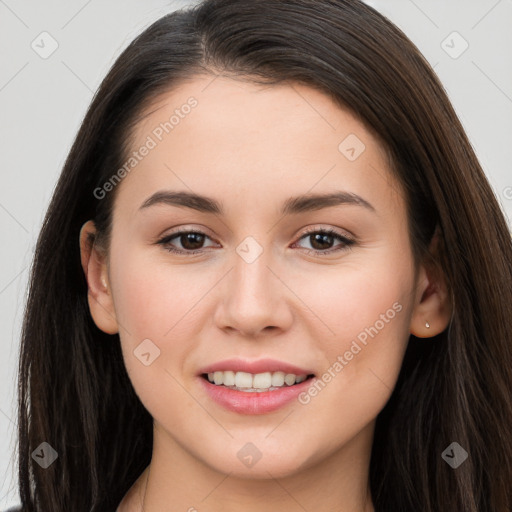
x=251 y=279
x=253 y=298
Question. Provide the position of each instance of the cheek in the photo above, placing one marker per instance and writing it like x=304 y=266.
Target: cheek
x=368 y=313
x=152 y=299
x=361 y=303
x=154 y=307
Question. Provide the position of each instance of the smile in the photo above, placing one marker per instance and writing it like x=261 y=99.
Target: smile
x=251 y=383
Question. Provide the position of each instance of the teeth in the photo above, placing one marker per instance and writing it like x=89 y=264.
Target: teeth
x=244 y=381
x=262 y=380
x=229 y=378
x=289 y=379
x=277 y=379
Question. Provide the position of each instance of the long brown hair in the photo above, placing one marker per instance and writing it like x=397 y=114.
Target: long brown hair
x=74 y=392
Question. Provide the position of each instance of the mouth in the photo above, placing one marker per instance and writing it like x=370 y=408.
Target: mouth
x=255 y=382
x=254 y=387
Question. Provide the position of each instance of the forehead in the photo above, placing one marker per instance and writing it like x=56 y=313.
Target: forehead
x=224 y=102
x=215 y=131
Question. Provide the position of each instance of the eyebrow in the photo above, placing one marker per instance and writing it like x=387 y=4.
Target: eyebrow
x=293 y=205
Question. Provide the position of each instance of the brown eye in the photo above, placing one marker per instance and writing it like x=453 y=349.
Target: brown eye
x=190 y=241
x=321 y=241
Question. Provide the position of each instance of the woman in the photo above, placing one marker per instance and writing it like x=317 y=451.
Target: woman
x=183 y=349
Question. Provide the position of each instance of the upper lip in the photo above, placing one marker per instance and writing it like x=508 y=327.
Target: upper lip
x=258 y=366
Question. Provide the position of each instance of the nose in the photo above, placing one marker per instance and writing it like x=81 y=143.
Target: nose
x=254 y=299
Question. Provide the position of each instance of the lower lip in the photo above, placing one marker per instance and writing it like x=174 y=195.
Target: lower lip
x=254 y=402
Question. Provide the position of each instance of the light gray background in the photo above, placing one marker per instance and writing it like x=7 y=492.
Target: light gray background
x=42 y=102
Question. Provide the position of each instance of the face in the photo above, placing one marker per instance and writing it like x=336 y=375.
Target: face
x=297 y=263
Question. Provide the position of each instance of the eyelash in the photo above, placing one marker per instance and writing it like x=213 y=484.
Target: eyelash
x=347 y=242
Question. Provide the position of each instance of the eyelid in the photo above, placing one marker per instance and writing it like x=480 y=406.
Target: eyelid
x=161 y=239
x=347 y=239
x=181 y=231
x=312 y=229
x=336 y=231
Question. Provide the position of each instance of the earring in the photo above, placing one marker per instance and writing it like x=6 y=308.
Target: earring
x=427 y=325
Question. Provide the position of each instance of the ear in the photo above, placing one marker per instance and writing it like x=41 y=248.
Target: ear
x=432 y=303
x=99 y=295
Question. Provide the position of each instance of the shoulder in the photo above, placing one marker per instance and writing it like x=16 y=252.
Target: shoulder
x=14 y=509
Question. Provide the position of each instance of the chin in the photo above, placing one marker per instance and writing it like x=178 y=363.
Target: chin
x=259 y=461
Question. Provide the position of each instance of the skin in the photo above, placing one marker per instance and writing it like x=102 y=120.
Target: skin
x=289 y=305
